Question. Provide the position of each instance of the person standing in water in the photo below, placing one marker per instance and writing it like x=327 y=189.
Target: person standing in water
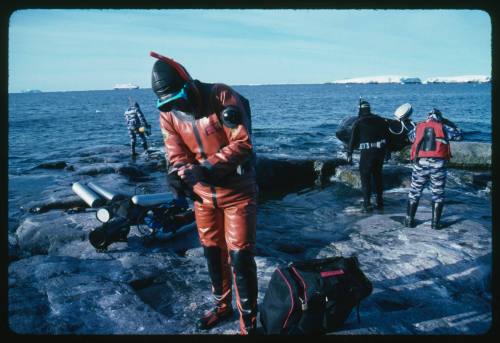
x=137 y=125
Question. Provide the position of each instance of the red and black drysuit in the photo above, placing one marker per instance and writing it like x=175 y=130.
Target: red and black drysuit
x=226 y=212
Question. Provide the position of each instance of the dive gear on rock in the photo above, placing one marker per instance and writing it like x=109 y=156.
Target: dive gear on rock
x=90 y=197
x=161 y=212
x=314 y=296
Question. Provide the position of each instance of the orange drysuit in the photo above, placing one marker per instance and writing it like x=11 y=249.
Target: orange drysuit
x=226 y=217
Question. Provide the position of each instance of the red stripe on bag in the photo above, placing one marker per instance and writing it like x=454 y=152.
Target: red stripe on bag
x=332 y=273
x=291 y=297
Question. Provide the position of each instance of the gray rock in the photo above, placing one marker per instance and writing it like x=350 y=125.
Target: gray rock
x=14 y=251
x=130 y=171
x=290 y=174
x=63 y=204
x=50 y=231
x=468 y=155
x=476 y=179
x=53 y=165
x=59 y=284
x=394 y=176
x=95 y=170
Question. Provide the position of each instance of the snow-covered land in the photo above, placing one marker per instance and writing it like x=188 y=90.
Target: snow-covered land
x=376 y=79
x=125 y=86
x=459 y=79
x=412 y=79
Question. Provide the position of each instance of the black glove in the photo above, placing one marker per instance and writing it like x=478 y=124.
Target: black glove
x=180 y=188
x=191 y=174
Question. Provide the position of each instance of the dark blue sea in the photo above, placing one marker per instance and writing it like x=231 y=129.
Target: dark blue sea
x=296 y=121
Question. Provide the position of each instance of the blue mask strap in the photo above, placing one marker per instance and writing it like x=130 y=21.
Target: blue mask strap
x=182 y=94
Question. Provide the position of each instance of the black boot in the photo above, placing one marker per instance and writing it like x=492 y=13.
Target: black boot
x=145 y=146
x=380 y=203
x=437 y=209
x=366 y=207
x=411 y=209
x=219 y=271
x=245 y=272
x=132 y=151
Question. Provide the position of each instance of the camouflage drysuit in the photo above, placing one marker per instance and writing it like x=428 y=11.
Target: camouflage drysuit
x=135 y=119
x=431 y=169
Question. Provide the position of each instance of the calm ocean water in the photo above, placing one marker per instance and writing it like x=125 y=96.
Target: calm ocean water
x=289 y=120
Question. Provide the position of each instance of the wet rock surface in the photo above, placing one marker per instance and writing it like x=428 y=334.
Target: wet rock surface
x=425 y=281
x=469 y=155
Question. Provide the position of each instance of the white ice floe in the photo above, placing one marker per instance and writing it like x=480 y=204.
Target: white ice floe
x=399 y=79
x=459 y=79
x=381 y=79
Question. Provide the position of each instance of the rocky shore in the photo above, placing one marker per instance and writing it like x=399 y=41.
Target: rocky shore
x=425 y=281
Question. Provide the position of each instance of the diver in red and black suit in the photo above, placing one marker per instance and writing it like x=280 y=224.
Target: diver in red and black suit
x=207 y=135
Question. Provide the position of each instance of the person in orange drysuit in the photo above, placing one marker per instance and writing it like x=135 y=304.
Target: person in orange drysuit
x=207 y=134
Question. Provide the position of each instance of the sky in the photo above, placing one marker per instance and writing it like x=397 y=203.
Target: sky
x=65 y=50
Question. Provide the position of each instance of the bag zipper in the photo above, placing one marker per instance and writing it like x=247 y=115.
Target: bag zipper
x=304 y=287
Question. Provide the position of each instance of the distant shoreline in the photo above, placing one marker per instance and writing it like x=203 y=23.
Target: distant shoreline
x=268 y=85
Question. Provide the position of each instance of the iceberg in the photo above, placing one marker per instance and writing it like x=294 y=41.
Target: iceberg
x=459 y=79
x=380 y=79
x=31 y=91
x=125 y=86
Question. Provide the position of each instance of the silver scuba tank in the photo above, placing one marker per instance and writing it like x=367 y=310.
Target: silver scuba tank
x=108 y=195
x=145 y=200
x=86 y=194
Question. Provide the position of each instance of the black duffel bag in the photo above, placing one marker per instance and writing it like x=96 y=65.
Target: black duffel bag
x=313 y=297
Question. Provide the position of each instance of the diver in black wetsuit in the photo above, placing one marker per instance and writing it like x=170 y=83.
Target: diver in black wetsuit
x=370 y=134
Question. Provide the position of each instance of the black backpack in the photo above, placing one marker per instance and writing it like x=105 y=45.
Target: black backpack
x=313 y=297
